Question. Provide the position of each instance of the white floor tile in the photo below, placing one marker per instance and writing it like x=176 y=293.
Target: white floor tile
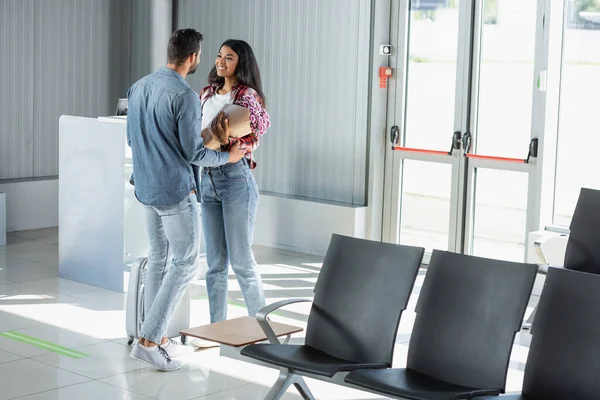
x=106 y=359
x=9 y=322
x=260 y=380
x=100 y=324
x=34 y=251
x=23 y=270
x=279 y=271
x=291 y=283
x=407 y=322
x=270 y=284
x=43 y=308
x=58 y=286
x=12 y=239
x=400 y=355
x=266 y=255
x=122 y=341
x=7 y=257
x=514 y=381
x=40 y=235
x=34 y=301
x=187 y=383
x=6 y=356
x=311 y=264
x=248 y=392
x=276 y=295
x=519 y=354
x=102 y=299
x=10 y=293
x=52 y=334
x=24 y=377
x=93 y=390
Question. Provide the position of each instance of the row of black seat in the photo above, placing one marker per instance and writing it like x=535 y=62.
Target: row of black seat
x=467 y=315
x=582 y=252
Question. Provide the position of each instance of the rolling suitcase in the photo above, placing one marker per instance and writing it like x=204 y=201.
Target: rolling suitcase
x=134 y=311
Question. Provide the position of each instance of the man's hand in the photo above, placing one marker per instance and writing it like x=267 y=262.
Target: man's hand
x=236 y=153
x=220 y=128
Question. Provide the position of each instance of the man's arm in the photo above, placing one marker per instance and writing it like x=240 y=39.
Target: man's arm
x=188 y=118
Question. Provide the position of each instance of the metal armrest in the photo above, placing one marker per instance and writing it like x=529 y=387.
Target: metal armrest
x=263 y=321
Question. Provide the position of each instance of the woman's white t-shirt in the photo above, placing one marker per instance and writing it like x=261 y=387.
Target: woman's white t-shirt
x=213 y=105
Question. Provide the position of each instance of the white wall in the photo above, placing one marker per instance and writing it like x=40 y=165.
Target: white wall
x=285 y=223
x=305 y=226
x=31 y=204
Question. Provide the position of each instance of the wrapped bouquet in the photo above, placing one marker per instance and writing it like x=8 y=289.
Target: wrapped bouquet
x=259 y=118
x=246 y=117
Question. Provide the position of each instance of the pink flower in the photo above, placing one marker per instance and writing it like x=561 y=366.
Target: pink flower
x=259 y=118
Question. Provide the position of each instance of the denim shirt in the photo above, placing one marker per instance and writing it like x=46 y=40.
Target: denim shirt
x=163 y=131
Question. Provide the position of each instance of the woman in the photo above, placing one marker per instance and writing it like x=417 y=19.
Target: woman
x=229 y=195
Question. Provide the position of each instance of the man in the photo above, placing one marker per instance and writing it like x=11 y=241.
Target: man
x=163 y=130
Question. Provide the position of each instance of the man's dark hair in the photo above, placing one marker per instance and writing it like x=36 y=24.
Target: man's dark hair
x=183 y=42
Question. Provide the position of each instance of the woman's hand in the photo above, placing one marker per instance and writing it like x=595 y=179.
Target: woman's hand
x=220 y=128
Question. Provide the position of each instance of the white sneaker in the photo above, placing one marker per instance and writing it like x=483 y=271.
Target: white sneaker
x=176 y=349
x=155 y=356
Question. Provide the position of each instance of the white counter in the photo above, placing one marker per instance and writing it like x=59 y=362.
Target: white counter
x=101 y=224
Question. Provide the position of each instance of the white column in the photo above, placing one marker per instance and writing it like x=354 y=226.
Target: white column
x=161 y=27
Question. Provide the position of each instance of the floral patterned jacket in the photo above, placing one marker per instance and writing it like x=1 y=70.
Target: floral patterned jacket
x=259 y=119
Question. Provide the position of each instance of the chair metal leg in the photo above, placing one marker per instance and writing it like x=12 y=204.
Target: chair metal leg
x=280 y=386
x=285 y=380
x=303 y=389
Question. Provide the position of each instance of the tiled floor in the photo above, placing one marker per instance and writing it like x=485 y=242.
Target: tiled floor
x=77 y=317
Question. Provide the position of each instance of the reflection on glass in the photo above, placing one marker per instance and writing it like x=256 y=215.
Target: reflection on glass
x=500 y=214
x=578 y=164
x=431 y=82
x=506 y=77
x=425 y=216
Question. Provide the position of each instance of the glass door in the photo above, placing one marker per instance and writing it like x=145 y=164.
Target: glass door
x=462 y=118
x=502 y=136
x=424 y=120
x=575 y=118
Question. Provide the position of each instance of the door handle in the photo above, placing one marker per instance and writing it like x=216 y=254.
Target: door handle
x=394 y=135
x=467 y=141
x=456 y=140
x=533 y=149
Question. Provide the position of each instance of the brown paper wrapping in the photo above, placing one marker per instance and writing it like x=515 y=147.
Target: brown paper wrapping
x=239 y=126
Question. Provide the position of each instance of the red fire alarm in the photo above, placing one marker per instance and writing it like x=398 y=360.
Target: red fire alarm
x=384 y=74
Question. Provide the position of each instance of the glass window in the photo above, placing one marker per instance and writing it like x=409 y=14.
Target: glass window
x=578 y=157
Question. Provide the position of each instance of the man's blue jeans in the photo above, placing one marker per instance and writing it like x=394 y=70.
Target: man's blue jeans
x=173 y=230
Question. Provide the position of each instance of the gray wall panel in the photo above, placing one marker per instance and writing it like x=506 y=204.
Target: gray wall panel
x=140 y=39
x=16 y=88
x=82 y=50
x=314 y=58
